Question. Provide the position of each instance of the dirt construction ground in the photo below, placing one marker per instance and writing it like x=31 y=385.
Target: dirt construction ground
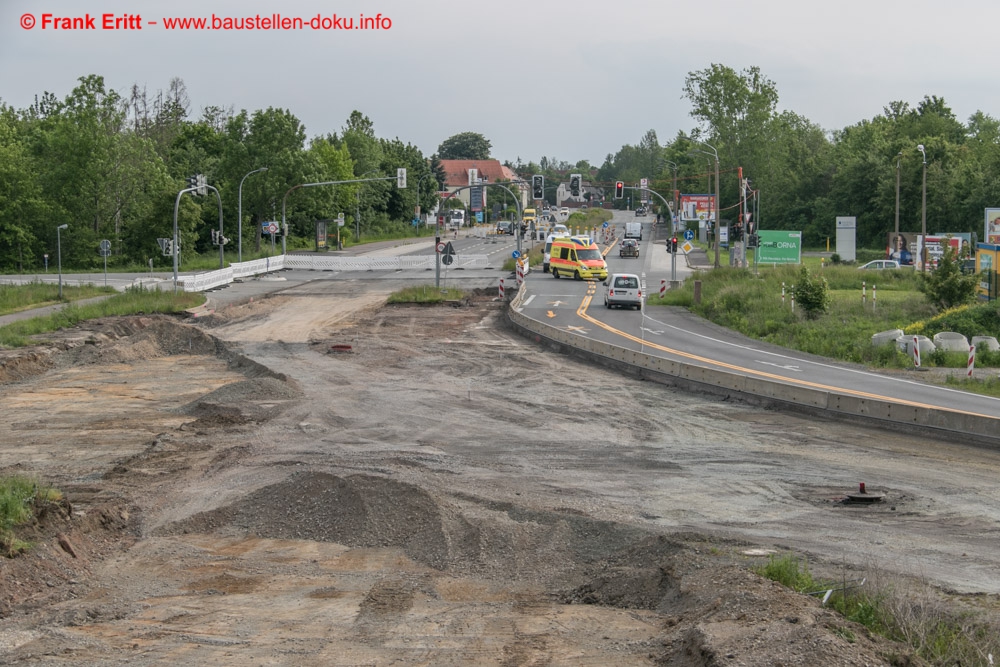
x=445 y=492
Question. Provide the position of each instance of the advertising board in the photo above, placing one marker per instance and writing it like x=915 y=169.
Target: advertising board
x=779 y=247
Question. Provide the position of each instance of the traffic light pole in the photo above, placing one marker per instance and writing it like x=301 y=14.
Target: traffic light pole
x=284 y=200
x=673 y=231
x=437 y=237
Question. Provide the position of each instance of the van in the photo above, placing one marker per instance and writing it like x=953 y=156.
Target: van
x=548 y=248
x=633 y=230
x=528 y=216
x=623 y=289
x=578 y=257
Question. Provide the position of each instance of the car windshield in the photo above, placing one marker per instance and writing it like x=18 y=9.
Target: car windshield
x=589 y=253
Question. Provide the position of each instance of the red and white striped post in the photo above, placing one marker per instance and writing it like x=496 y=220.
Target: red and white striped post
x=663 y=288
x=792 y=295
x=782 y=294
x=873 y=296
x=972 y=361
x=916 y=352
x=520 y=273
x=501 y=289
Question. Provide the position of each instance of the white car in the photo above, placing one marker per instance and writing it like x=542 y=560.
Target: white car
x=623 y=289
x=881 y=264
x=560 y=229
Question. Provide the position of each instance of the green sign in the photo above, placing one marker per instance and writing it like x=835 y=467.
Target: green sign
x=779 y=248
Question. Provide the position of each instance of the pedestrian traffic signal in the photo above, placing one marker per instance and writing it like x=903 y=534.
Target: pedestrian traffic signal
x=619 y=190
x=574 y=184
x=401 y=178
x=192 y=181
x=538 y=187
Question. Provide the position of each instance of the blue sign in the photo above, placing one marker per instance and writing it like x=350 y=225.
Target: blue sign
x=415 y=222
x=479 y=216
x=689 y=234
x=605 y=225
x=515 y=254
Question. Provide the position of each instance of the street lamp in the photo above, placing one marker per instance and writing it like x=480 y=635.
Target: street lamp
x=899 y=160
x=923 y=213
x=59 y=255
x=674 y=166
x=239 y=242
x=718 y=198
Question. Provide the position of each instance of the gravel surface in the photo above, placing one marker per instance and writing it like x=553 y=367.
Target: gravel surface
x=241 y=491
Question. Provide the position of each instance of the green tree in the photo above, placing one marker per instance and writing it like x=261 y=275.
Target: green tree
x=22 y=208
x=812 y=294
x=947 y=286
x=465 y=146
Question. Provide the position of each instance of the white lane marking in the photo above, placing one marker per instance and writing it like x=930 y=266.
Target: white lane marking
x=787 y=368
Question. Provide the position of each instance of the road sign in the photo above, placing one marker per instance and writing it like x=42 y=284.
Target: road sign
x=515 y=254
x=440 y=247
x=686 y=247
x=449 y=249
x=689 y=234
x=605 y=225
x=105 y=245
x=272 y=228
x=447 y=259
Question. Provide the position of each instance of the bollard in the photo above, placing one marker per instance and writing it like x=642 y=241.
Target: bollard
x=864 y=296
x=663 y=288
x=501 y=289
x=972 y=360
x=792 y=295
x=916 y=352
x=873 y=296
x=782 y=294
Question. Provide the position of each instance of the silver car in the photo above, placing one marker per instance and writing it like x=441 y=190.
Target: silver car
x=623 y=289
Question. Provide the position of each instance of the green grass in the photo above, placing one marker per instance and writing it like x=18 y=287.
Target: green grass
x=752 y=304
x=940 y=634
x=131 y=302
x=19 y=497
x=426 y=294
x=15 y=298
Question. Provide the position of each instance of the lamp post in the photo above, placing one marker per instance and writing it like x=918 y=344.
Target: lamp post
x=718 y=202
x=673 y=165
x=357 y=208
x=59 y=255
x=239 y=242
x=899 y=160
x=923 y=213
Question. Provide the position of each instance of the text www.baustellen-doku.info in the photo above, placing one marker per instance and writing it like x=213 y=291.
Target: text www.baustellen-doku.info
x=47 y=21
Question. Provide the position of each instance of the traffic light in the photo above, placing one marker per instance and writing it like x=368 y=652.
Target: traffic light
x=574 y=184
x=753 y=241
x=401 y=178
x=538 y=187
x=202 y=182
x=192 y=181
x=215 y=237
x=619 y=190
x=672 y=244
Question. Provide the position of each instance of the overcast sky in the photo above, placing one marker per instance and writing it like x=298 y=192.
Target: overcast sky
x=570 y=80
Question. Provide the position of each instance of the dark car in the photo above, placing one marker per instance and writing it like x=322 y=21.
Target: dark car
x=505 y=227
x=629 y=248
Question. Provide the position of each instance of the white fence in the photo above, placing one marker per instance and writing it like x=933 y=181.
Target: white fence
x=200 y=282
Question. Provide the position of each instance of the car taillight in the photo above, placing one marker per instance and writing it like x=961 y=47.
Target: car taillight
x=611 y=292
x=640 y=294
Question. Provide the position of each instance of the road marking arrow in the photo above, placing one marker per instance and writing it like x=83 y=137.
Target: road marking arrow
x=787 y=368
x=652 y=331
x=556 y=303
x=578 y=329
x=550 y=314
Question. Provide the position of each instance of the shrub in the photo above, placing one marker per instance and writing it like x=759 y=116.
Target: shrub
x=947 y=286
x=812 y=294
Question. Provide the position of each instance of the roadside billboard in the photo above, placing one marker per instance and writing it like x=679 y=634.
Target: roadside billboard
x=779 y=247
x=698 y=207
x=987 y=262
x=991 y=234
x=935 y=249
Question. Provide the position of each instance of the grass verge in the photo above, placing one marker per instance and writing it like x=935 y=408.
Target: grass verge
x=20 y=497
x=15 y=298
x=425 y=294
x=134 y=301
x=913 y=615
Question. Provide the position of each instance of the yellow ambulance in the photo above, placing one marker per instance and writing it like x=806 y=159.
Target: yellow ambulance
x=577 y=256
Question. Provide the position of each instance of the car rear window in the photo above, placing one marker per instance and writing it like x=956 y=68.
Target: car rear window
x=626 y=282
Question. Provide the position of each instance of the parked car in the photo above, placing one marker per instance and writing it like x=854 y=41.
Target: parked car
x=505 y=227
x=623 y=289
x=880 y=264
x=629 y=248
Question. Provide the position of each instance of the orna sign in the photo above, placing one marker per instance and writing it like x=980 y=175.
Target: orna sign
x=779 y=247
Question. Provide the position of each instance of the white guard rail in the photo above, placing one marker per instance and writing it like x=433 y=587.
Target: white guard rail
x=200 y=282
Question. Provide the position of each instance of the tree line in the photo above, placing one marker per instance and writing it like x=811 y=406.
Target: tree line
x=110 y=166
x=807 y=176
